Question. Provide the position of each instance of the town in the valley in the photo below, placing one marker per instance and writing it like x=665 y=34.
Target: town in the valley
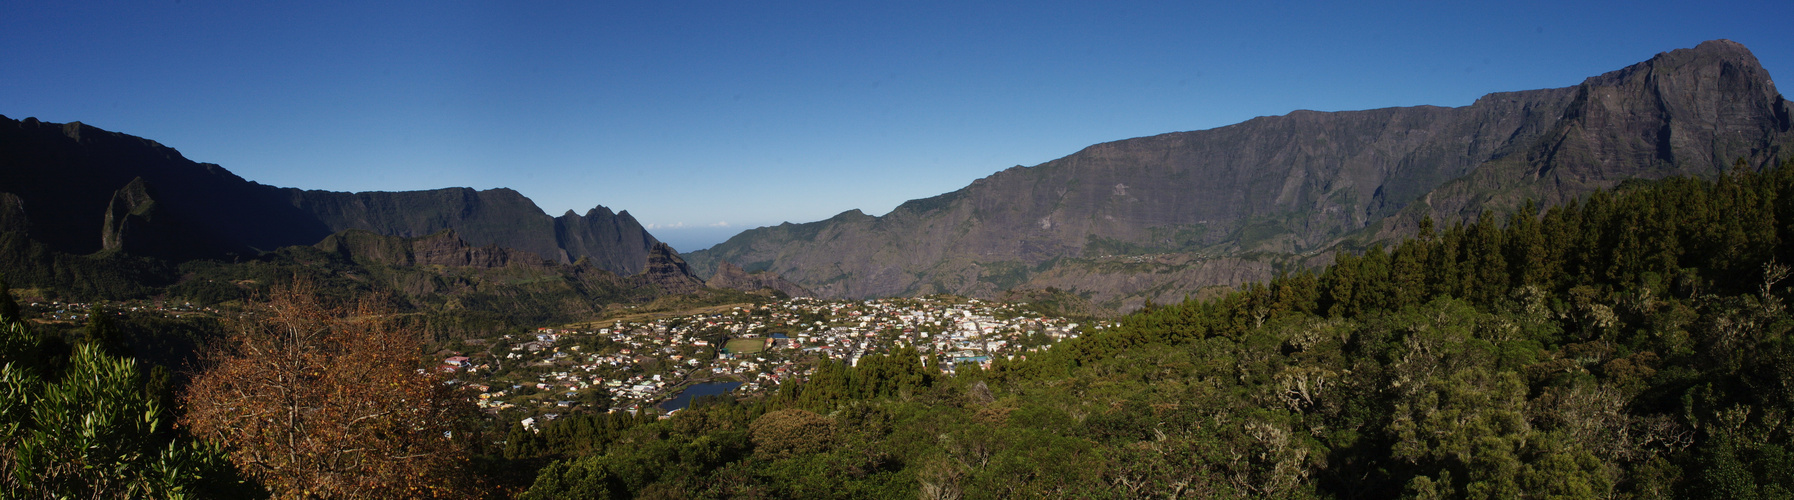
x=658 y=364
x=655 y=365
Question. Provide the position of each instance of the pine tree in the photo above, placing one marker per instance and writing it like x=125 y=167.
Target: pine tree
x=1407 y=275
x=1526 y=253
x=1488 y=277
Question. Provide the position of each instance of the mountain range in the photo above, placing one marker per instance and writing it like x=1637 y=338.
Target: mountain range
x=1116 y=224
x=81 y=190
x=1161 y=217
x=87 y=213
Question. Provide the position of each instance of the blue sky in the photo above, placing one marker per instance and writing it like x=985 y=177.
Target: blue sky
x=706 y=118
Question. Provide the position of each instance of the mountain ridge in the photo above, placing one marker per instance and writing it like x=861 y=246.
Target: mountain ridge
x=85 y=190
x=1270 y=191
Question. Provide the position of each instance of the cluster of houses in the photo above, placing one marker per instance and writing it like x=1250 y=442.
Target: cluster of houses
x=76 y=312
x=635 y=365
x=951 y=332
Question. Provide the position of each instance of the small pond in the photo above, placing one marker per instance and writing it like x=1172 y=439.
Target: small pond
x=705 y=389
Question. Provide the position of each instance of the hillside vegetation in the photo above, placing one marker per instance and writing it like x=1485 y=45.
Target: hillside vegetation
x=1632 y=344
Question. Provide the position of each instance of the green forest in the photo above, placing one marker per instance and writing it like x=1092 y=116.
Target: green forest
x=1631 y=344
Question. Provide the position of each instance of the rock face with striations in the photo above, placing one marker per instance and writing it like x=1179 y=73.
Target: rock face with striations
x=134 y=224
x=87 y=190
x=614 y=241
x=1685 y=112
x=445 y=248
x=1244 y=194
x=733 y=277
x=669 y=272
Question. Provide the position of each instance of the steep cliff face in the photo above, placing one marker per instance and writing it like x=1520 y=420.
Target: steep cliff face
x=504 y=217
x=445 y=248
x=136 y=224
x=482 y=217
x=614 y=241
x=1685 y=112
x=733 y=277
x=1283 y=185
x=89 y=190
x=67 y=176
x=669 y=273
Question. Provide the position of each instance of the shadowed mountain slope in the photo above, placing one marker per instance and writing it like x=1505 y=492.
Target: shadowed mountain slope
x=82 y=190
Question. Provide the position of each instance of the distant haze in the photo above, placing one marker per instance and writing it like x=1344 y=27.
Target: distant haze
x=689 y=239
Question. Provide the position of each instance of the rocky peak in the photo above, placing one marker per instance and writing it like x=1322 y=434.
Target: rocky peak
x=662 y=259
x=136 y=223
x=733 y=277
x=614 y=241
x=668 y=271
x=1711 y=68
x=131 y=206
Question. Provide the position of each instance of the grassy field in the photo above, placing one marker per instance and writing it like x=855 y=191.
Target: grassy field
x=746 y=346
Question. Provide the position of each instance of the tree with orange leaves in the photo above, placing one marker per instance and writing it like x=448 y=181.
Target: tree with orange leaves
x=317 y=401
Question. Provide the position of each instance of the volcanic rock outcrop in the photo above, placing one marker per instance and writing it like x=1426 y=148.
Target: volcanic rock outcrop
x=669 y=272
x=733 y=277
x=445 y=248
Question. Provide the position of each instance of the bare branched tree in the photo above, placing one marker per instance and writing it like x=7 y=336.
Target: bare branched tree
x=319 y=401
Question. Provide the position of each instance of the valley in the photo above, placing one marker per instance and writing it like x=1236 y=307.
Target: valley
x=634 y=365
x=1573 y=292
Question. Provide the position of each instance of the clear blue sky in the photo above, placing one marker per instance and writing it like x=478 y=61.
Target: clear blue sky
x=706 y=118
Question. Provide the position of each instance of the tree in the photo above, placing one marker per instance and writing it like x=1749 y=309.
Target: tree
x=1340 y=282
x=1407 y=275
x=787 y=433
x=1486 y=275
x=322 y=401
x=104 y=333
x=1527 y=258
